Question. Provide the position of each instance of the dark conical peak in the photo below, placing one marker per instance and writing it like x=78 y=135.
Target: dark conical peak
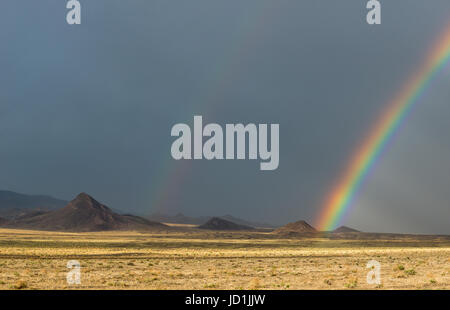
x=301 y=222
x=299 y=226
x=344 y=229
x=84 y=200
x=217 y=223
x=83 y=195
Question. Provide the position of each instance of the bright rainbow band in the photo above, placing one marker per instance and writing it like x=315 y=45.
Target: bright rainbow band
x=366 y=155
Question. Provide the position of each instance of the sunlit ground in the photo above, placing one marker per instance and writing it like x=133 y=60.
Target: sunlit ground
x=212 y=260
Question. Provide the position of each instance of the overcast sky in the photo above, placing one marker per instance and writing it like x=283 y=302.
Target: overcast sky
x=90 y=107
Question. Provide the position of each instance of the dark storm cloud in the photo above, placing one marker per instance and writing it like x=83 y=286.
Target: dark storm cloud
x=90 y=107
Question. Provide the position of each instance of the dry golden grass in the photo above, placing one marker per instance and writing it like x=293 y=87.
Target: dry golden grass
x=213 y=260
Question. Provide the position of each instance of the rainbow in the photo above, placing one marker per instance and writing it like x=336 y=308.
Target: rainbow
x=366 y=155
x=172 y=175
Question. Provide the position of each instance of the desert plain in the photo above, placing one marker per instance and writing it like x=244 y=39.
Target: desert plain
x=190 y=258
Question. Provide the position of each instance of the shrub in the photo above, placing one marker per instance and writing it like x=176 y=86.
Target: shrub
x=410 y=272
x=20 y=285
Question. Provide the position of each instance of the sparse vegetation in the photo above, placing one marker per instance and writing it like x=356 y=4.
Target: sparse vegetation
x=217 y=260
x=21 y=285
x=410 y=272
x=352 y=284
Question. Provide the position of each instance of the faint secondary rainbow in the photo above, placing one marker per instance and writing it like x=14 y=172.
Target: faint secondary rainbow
x=174 y=174
x=365 y=156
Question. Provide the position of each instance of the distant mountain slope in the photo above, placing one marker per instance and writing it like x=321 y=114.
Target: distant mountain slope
x=15 y=204
x=180 y=218
x=296 y=227
x=83 y=214
x=217 y=223
x=245 y=222
x=345 y=229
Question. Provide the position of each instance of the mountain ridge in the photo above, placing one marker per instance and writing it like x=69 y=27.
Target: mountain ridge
x=295 y=228
x=13 y=204
x=83 y=214
x=217 y=223
x=180 y=218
